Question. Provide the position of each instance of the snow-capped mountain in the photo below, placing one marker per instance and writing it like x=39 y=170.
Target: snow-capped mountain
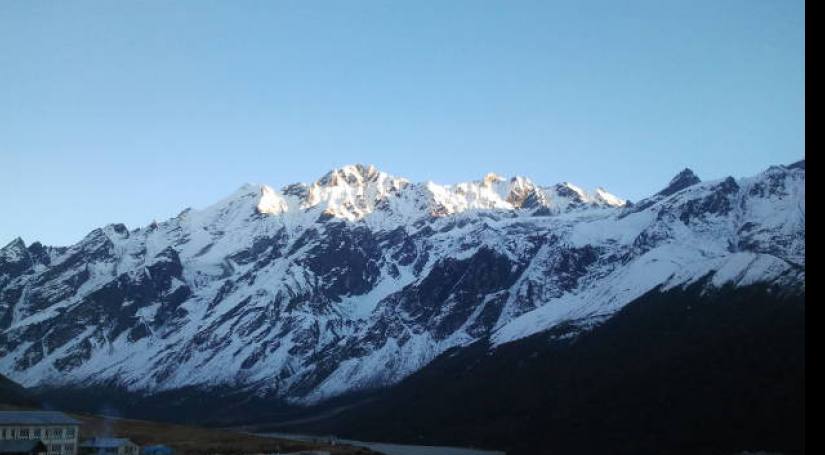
x=361 y=278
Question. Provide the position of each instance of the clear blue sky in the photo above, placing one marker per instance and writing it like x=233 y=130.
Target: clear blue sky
x=114 y=111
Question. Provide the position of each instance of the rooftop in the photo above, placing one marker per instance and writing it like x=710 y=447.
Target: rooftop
x=36 y=418
x=105 y=442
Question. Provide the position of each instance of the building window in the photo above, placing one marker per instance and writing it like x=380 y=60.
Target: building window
x=58 y=433
x=24 y=433
x=68 y=448
x=69 y=432
x=37 y=432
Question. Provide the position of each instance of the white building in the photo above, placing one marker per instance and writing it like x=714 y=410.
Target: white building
x=56 y=430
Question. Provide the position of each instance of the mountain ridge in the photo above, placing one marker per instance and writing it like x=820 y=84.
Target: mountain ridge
x=361 y=278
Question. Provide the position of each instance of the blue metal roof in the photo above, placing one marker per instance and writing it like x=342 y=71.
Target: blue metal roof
x=102 y=443
x=36 y=418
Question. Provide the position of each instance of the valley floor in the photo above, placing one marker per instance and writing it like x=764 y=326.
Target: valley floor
x=187 y=439
x=394 y=449
x=196 y=440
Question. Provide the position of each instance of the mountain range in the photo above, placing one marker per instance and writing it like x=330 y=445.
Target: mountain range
x=362 y=280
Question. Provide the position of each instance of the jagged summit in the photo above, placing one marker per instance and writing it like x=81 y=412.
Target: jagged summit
x=609 y=199
x=797 y=165
x=271 y=203
x=492 y=178
x=14 y=250
x=358 y=191
x=16 y=243
x=682 y=180
x=352 y=174
x=14 y=257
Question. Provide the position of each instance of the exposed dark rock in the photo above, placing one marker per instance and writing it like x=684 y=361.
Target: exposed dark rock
x=682 y=180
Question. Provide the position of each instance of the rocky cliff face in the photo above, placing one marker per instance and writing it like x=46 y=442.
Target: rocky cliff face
x=361 y=278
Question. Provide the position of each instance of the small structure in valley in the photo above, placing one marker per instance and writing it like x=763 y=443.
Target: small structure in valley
x=109 y=446
x=158 y=449
x=55 y=430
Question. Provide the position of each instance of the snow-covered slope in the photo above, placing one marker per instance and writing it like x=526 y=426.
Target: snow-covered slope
x=361 y=278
